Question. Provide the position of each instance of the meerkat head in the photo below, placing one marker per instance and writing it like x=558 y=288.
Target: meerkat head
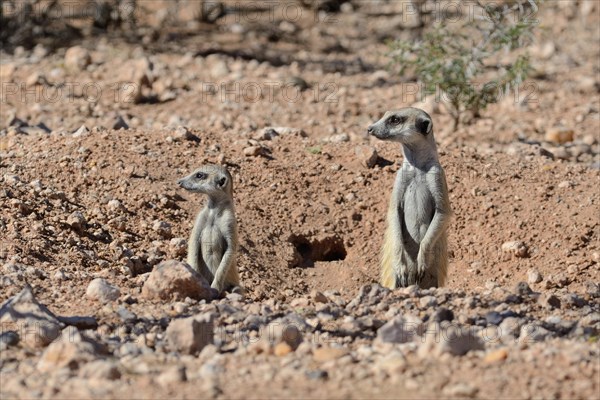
x=408 y=125
x=212 y=180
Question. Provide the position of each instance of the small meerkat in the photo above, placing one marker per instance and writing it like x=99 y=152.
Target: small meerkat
x=212 y=247
x=415 y=249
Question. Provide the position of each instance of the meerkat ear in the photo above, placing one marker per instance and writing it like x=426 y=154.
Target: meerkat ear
x=423 y=125
x=222 y=181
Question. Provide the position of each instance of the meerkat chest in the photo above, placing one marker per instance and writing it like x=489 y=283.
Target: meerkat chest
x=212 y=243
x=418 y=205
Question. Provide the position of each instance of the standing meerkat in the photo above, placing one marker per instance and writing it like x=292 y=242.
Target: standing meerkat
x=415 y=249
x=212 y=247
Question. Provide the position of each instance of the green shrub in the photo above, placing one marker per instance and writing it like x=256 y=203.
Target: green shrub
x=462 y=61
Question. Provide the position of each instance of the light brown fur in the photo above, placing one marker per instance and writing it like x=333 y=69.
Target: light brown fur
x=213 y=243
x=415 y=247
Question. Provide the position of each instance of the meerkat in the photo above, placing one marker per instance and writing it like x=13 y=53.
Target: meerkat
x=415 y=249
x=213 y=243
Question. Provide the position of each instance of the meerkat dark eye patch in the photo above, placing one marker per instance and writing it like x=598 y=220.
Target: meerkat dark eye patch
x=201 y=175
x=221 y=182
x=395 y=120
x=423 y=125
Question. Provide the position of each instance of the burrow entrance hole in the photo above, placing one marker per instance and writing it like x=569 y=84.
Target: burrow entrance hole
x=309 y=251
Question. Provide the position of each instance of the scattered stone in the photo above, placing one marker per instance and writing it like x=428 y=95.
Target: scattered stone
x=531 y=333
x=523 y=289
x=39 y=326
x=393 y=365
x=517 y=248
x=317 y=374
x=338 y=138
x=559 y=135
x=190 y=335
x=460 y=390
x=496 y=356
x=8 y=339
x=254 y=151
x=401 y=329
x=35 y=79
x=70 y=350
x=367 y=155
x=561 y=153
x=120 y=124
x=174 y=280
x=183 y=133
x=442 y=314
x=493 y=318
x=324 y=354
x=82 y=131
x=451 y=339
x=282 y=349
x=162 y=228
x=77 y=58
x=126 y=315
x=219 y=69
x=134 y=75
x=178 y=247
x=173 y=375
x=549 y=300
x=298 y=82
x=533 y=276
x=100 y=290
x=100 y=369
x=319 y=297
x=77 y=221
x=271 y=132
x=115 y=205
x=82 y=323
x=285 y=331
x=427 y=301
x=7 y=71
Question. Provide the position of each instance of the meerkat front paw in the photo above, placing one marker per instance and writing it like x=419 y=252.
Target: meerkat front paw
x=422 y=264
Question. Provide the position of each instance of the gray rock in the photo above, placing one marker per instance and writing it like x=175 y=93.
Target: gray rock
x=442 y=314
x=79 y=322
x=427 y=301
x=459 y=342
x=367 y=155
x=8 y=339
x=100 y=290
x=82 y=131
x=38 y=325
x=77 y=221
x=162 y=228
x=533 y=332
x=77 y=58
x=71 y=350
x=452 y=339
x=183 y=133
x=493 y=318
x=549 y=300
x=517 y=248
x=286 y=330
x=172 y=375
x=533 y=276
x=523 y=289
x=174 y=280
x=190 y=335
x=401 y=329
x=100 y=369
x=126 y=315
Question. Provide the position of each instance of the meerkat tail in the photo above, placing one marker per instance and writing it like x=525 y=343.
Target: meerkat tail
x=388 y=274
x=442 y=256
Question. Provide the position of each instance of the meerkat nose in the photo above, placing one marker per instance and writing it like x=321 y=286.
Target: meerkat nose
x=370 y=130
x=180 y=182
